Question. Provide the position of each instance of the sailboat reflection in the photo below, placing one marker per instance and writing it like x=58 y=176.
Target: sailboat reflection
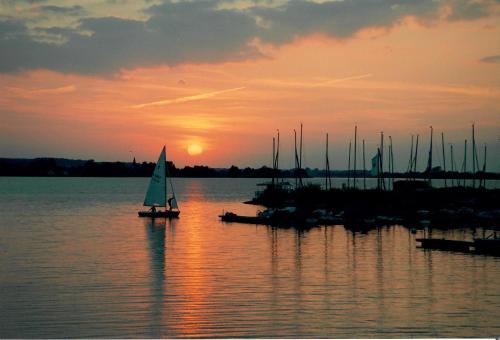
x=156 y=236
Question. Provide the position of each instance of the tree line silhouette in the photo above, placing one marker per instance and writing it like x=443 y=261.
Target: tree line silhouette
x=91 y=168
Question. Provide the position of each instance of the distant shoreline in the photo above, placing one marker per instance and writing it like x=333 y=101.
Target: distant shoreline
x=62 y=167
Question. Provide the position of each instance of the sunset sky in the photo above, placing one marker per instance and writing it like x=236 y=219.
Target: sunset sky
x=112 y=80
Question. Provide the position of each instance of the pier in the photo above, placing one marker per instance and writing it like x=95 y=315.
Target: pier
x=443 y=244
x=488 y=246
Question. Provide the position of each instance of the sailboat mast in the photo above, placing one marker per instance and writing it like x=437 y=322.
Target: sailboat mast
x=278 y=158
x=391 y=162
x=364 y=167
x=300 y=157
x=473 y=158
x=484 y=167
x=296 y=159
x=355 y=152
x=349 y=167
x=444 y=159
x=484 y=164
x=429 y=161
x=464 y=166
x=452 y=166
x=410 y=161
x=327 y=165
x=274 y=158
x=378 y=168
x=382 y=178
x=166 y=172
x=416 y=159
x=476 y=158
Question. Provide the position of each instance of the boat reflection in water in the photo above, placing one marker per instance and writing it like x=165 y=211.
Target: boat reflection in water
x=155 y=231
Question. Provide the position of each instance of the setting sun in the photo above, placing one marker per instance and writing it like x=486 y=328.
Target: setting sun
x=194 y=149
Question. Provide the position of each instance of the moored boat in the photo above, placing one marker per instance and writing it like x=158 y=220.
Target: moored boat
x=488 y=245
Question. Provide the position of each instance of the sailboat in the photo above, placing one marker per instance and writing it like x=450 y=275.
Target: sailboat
x=156 y=196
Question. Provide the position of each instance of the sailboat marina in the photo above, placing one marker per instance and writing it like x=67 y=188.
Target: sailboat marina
x=411 y=200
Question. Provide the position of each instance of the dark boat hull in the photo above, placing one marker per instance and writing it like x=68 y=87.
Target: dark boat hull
x=487 y=246
x=166 y=213
x=279 y=221
x=244 y=219
x=443 y=244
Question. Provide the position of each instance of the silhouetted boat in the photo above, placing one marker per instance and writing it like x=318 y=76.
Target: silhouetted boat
x=488 y=245
x=156 y=196
x=444 y=244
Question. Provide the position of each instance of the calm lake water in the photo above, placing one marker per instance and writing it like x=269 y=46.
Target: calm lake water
x=76 y=261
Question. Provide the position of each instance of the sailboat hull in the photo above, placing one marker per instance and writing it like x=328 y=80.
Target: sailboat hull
x=166 y=213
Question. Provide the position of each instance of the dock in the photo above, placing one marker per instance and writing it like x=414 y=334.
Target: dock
x=279 y=220
x=489 y=246
x=444 y=244
x=231 y=217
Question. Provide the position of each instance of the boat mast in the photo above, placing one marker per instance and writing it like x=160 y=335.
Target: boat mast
x=349 y=167
x=277 y=159
x=166 y=171
x=364 y=167
x=452 y=166
x=429 y=161
x=416 y=159
x=300 y=158
x=391 y=162
x=378 y=167
x=381 y=160
x=473 y=158
x=296 y=159
x=274 y=159
x=484 y=167
x=355 y=153
x=326 y=163
x=410 y=161
x=464 y=164
x=328 y=180
x=444 y=159
x=476 y=155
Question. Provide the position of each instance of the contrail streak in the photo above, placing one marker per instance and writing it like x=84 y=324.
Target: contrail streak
x=347 y=78
x=310 y=84
x=187 y=98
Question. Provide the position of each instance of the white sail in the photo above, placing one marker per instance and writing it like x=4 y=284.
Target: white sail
x=156 y=195
x=375 y=165
x=173 y=203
